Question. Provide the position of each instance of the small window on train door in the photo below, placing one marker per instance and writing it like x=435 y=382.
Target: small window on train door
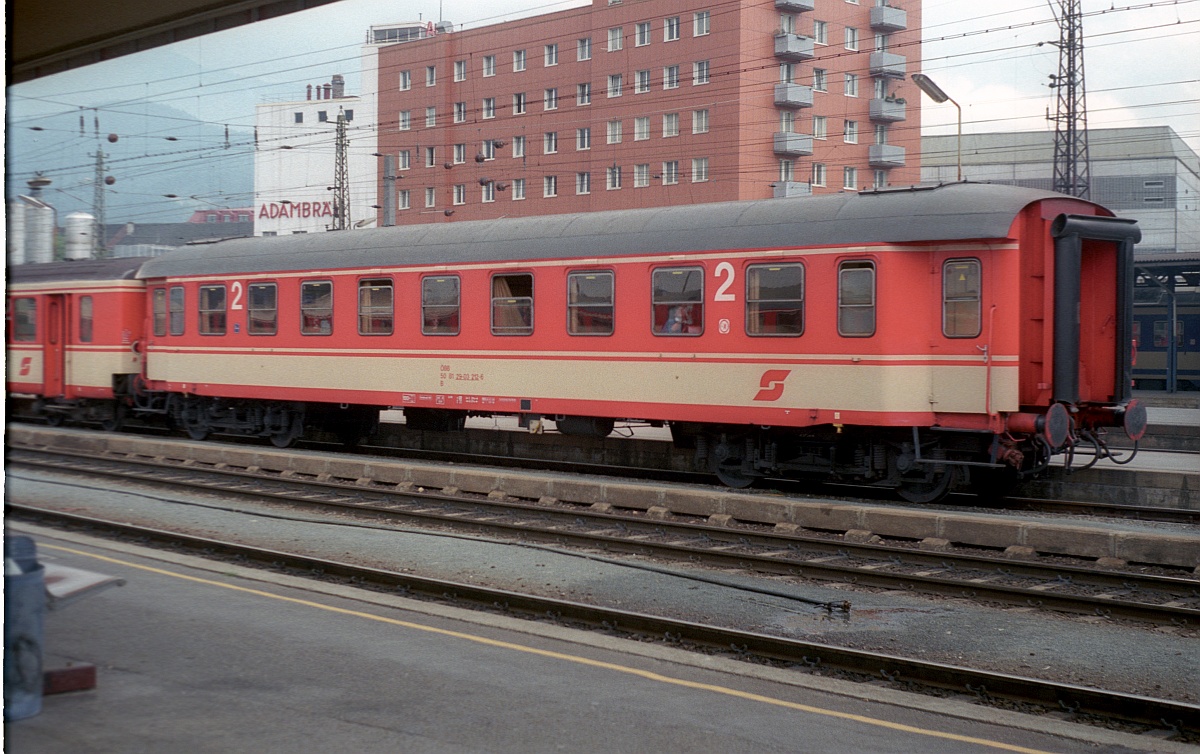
x=159 y=298
x=316 y=307
x=85 y=319
x=590 y=303
x=24 y=320
x=262 y=305
x=440 y=304
x=678 y=301
x=212 y=310
x=962 y=295
x=512 y=304
x=176 y=308
x=856 y=299
x=375 y=307
x=775 y=300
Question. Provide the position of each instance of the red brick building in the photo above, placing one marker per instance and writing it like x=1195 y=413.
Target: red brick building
x=635 y=103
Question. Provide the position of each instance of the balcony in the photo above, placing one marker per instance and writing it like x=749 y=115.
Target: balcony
x=794 y=6
x=888 y=110
x=794 y=47
x=887 y=64
x=887 y=19
x=885 y=156
x=793 y=95
x=785 y=189
x=793 y=144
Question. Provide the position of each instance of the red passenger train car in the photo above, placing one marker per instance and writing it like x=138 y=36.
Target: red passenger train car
x=913 y=339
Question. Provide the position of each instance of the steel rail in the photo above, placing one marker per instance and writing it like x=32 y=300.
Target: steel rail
x=986 y=686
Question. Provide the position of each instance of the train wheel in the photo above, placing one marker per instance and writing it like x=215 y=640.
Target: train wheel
x=726 y=463
x=930 y=489
x=54 y=419
x=194 y=419
x=116 y=421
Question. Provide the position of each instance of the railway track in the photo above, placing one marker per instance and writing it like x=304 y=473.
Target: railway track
x=1082 y=703
x=978 y=575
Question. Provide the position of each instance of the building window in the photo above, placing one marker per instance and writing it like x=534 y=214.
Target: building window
x=550 y=142
x=518 y=189
x=699 y=169
x=670 y=125
x=489 y=65
x=86 y=319
x=583 y=183
x=671 y=77
x=460 y=154
x=820 y=78
x=818 y=174
x=670 y=172
x=851 y=38
x=518 y=60
x=961 y=298
x=881 y=133
x=489 y=107
x=641 y=175
x=643 y=34
x=699 y=72
x=820 y=127
x=430 y=197
x=700 y=23
x=787 y=23
x=615 y=39
x=347 y=115
x=583 y=94
x=460 y=112
x=677 y=301
x=614 y=85
x=775 y=300
x=591 y=303
x=210 y=218
x=403 y=199
x=430 y=156
x=322 y=116
x=550 y=186
x=405 y=121
x=299 y=117
x=641 y=82
x=440 y=305
x=612 y=178
x=856 y=299
x=460 y=193
x=212 y=310
x=551 y=55
x=460 y=70
x=550 y=99
x=405 y=80
x=430 y=75
x=430 y=117
x=787 y=170
x=488 y=193
x=519 y=103
x=405 y=159
x=375 y=315
x=614 y=132
x=512 y=304
x=850 y=179
x=700 y=121
x=641 y=128
x=671 y=29
x=316 y=308
x=583 y=48
x=787 y=121
x=489 y=149
x=583 y=138
x=850 y=132
x=518 y=144
x=851 y=84
x=787 y=73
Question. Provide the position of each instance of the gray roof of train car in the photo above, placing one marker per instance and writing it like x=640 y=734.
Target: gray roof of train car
x=945 y=213
x=122 y=268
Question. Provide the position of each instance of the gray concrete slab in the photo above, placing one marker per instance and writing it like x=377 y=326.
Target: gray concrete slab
x=201 y=657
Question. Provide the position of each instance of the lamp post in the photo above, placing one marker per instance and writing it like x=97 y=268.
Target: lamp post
x=925 y=84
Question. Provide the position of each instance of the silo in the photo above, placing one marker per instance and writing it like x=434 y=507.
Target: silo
x=39 y=230
x=79 y=228
x=16 y=232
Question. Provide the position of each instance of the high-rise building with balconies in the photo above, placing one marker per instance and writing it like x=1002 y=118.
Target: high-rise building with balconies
x=627 y=103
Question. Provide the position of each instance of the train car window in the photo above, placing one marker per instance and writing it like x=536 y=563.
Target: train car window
x=678 y=301
x=856 y=299
x=85 y=319
x=1160 y=334
x=775 y=300
x=24 y=320
x=262 y=305
x=316 y=308
x=176 y=309
x=590 y=303
x=375 y=307
x=961 y=298
x=512 y=304
x=159 y=298
x=212 y=310
x=440 y=305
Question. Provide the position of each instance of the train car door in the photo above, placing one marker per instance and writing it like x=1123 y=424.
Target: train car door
x=55 y=346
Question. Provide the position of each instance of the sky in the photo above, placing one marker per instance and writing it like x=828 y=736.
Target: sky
x=1142 y=68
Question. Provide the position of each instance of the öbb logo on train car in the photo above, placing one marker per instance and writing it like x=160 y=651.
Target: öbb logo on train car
x=26 y=366
x=772 y=384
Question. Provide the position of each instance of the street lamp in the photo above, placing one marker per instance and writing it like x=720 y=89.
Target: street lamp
x=925 y=84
